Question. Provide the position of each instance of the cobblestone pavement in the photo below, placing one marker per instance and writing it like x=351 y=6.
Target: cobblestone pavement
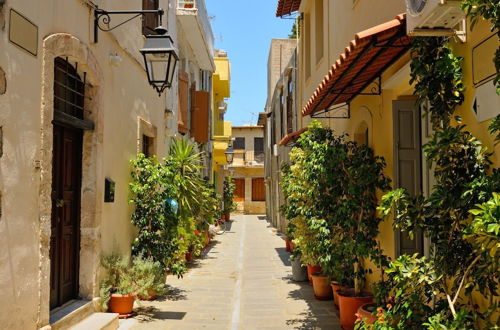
x=243 y=282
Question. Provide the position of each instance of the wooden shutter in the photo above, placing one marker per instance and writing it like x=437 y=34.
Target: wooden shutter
x=258 y=190
x=183 y=102
x=289 y=106
x=407 y=164
x=239 y=193
x=200 y=116
x=149 y=21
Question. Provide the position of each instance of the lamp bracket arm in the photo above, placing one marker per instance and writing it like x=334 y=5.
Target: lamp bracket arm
x=102 y=18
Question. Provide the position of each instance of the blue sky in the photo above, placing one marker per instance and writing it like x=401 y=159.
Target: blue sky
x=245 y=29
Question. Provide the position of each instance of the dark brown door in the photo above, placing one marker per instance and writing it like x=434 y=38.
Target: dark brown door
x=65 y=235
x=408 y=164
x=258 y=190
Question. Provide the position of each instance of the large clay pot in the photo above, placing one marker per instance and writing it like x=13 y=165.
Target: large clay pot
x=299 y=272
x=292 y=246
x=335 y=288
x=227 y=217
x=189 y=256
x=366 y=312
x=312 y=269
x=122 y=304
x=287 y=245
x=349 y=304
x=321 y=287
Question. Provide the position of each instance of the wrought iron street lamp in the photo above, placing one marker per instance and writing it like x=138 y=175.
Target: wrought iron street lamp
x=229 y=154
x=160 y=58
x=160 y=55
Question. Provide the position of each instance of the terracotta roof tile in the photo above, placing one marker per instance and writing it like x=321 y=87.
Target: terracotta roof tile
x=365 y=58
x=292 y=137
x=286 y=7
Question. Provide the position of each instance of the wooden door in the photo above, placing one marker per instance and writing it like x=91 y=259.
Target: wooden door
x=239 y=193
x=258 y=190
x=407 y=164
x=65 y=234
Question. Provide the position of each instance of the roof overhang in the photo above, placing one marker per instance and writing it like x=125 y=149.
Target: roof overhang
x=370 y=53
x=292 y=137
x=287 y=7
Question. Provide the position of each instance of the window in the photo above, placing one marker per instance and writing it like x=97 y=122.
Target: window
x=258 y=146
x=307 y=46
x=258 y=190
x=319 y=30
x=289 y=106
x=147 y=146
x=282 y=113
x=69 y=89
x=239 y=143
x=149 y=21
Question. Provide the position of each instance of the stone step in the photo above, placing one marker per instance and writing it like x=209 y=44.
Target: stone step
x=70 y=314
x=99 y=321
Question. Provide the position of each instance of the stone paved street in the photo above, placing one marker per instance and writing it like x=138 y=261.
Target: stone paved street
x=243 y=282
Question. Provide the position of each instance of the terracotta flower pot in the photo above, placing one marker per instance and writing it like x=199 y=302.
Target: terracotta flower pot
x=349 y=304
x=292 y=246
x=321 y=287
x=122 y=304
x=287 y=244
x=227 y=217
x=312 y=269
x=366 y=312
x=335 y=288
x=189 y=256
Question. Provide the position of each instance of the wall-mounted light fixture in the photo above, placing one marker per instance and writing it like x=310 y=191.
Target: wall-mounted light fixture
x=160 y=55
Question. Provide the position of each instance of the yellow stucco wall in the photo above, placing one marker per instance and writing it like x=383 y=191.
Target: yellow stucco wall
x=342 y=21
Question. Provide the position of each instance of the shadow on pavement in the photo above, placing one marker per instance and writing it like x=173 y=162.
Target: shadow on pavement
x=173 y=294
x=284 y=256
x=319 y=314
x=147 y=314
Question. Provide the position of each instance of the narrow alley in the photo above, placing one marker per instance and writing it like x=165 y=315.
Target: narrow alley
x=243 y=282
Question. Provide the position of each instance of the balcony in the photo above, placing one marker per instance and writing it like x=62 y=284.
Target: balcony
x=193 y=19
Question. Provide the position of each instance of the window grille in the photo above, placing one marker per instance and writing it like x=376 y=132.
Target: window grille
x=69 y=89
x=239 y=143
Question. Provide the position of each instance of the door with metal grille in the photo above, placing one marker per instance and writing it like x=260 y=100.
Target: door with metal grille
x=66 y=184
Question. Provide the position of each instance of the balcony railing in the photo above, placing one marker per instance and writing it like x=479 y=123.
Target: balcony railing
x=248 y=158
x=198 y=9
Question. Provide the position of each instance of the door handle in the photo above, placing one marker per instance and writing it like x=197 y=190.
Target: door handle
x=59 y=202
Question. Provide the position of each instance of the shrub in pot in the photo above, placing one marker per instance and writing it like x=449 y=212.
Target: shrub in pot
x=228 y=198
x=299 y=272
x=122 y=282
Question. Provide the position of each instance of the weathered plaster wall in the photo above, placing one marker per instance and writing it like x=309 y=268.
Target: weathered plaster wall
x=120 y=96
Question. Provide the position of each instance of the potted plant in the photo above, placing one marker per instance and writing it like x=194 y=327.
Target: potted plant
x=149 y=277
x=299 y=272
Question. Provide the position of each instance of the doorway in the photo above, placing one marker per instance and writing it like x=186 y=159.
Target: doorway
x=66 y=183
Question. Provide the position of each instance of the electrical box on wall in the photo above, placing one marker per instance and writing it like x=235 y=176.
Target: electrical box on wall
x=109 y=190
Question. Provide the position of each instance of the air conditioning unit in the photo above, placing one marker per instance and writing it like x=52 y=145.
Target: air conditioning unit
x=433 y=17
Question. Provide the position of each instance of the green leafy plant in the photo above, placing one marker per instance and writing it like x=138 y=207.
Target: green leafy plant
x=330 y=188
x=437 y=290
x=149 y=276
x=228 y=195
x=154 y=217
